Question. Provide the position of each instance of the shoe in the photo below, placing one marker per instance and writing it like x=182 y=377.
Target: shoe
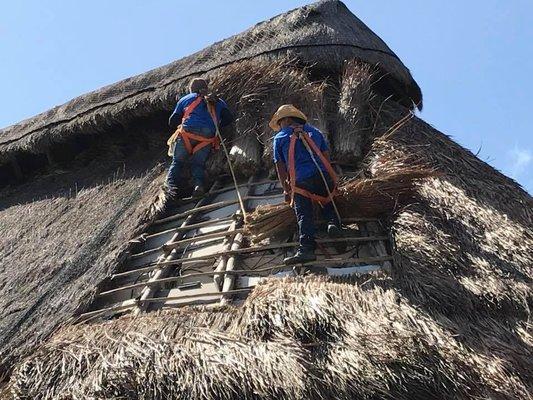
x=334 y=232
x=304 y=254
x=198 y=191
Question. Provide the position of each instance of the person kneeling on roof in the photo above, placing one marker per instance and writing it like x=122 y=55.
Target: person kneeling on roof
x=300 y=150
x=194 y=120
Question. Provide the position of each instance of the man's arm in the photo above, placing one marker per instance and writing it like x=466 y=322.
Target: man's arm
x=176 y=117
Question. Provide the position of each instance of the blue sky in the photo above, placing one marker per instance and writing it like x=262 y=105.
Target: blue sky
x=473 y=59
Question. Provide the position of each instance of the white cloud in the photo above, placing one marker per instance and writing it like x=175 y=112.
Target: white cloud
x=520 y=161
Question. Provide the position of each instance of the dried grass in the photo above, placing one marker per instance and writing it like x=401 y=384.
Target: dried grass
x=254 y=89
x=353 y=123
x=61 y=235
x=310 y=338
x=393 y=186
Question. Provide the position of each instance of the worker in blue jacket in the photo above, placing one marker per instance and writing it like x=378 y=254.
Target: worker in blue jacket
x=300 y=150
x=194 y=120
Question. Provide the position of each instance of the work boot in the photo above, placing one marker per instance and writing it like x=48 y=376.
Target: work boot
x=198 y=191
x=334 y=232
x=304 y=254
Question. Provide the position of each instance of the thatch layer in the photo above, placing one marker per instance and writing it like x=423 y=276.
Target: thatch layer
x=353 y=129
x=469 y=236
x=325 y=32
x=301 y=338
x=451 y=322
x=255 y=89
x=61 y=235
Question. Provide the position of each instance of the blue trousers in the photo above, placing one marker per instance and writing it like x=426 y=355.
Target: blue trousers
x=303 y=208
x=195 y=162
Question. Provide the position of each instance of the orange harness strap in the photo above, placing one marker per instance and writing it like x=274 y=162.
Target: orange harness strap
x=322 y=200
x=202 y=141
x=188 y=136
x=190 y=108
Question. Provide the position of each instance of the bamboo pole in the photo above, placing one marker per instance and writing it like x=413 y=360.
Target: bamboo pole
x=174 y=245
x=190 y=227
x=168 y=255
x=229 y=279
x=254 y=272
x=229 y=245
x=252 y=249
x=224 y=259
x=214 y=206
x=229 y=188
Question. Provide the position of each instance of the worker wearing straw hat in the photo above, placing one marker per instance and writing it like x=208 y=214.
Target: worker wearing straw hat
x=301 y=156
x=194 y=120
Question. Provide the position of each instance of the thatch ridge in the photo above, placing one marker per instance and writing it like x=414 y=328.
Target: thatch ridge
x=325 y=31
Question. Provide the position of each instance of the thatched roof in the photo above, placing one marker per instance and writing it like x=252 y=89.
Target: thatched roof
x=326 y=33
x=450 y=322
x=63 y=232
x=452 y=319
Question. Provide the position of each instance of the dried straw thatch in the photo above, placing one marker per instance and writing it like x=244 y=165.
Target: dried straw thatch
x=452 y=321
x=60 y=234
x=337 y=339
x=255 y=89
x=392 y=186
x=325 y=32
x=352 y=134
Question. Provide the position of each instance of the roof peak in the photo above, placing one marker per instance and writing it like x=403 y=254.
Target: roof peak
x=323 y=34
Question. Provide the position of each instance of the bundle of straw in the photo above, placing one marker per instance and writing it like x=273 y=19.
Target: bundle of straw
x=269 y=220
x=384 y=194
x=353 y=118
x=363 y=197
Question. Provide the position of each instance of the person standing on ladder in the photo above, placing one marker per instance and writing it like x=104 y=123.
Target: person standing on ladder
x=301 y=156
x=194 y=120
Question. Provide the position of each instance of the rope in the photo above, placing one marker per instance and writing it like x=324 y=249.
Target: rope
x=222 y=142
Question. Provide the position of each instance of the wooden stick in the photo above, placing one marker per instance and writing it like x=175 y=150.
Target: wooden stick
x=195 y=210
x=192 y=296
x=229 y=188
x=203 y=262
x=216 y=235
x=174 y=245
x=190 y=227
x=338 y=261
x=212 y=112
x=253 y=249
x=214 y=206
x=85 y=317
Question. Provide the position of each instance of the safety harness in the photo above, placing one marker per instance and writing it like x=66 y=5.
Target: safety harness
x=188 y=136
x=299 y=133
